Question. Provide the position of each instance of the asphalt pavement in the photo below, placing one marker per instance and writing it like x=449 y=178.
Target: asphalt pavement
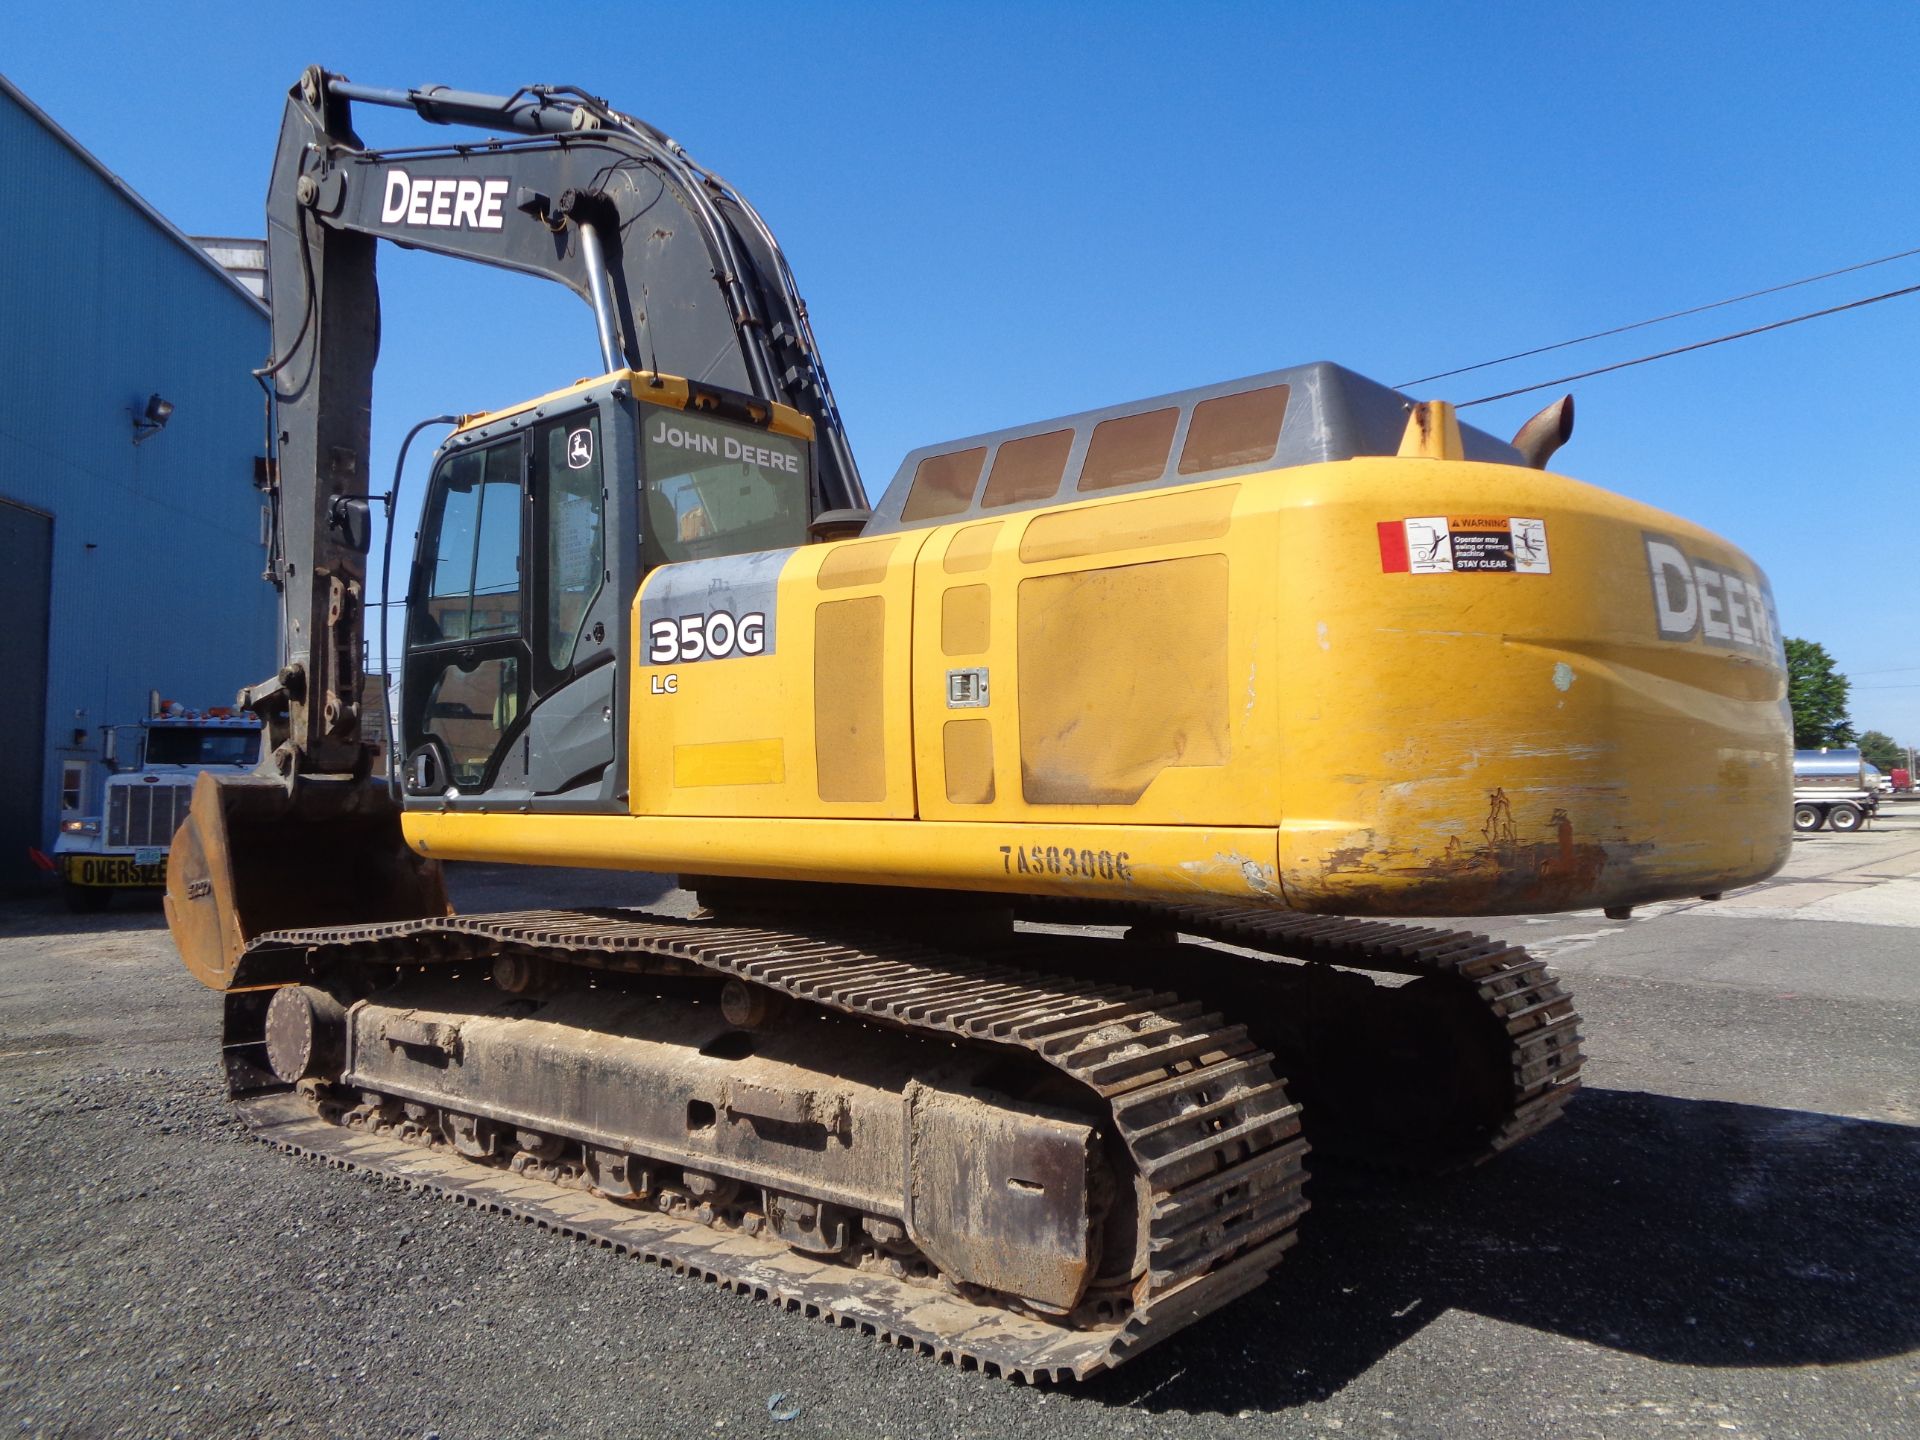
x=1722 y=1236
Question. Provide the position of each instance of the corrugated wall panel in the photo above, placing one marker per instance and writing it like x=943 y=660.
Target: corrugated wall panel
x=157 y=556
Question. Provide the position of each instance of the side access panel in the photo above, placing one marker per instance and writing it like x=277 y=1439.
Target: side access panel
x=1111 y=663
x=776 y=684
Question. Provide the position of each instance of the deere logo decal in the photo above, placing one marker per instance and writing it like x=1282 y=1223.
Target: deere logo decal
x=443 y=202
x=1693 y=599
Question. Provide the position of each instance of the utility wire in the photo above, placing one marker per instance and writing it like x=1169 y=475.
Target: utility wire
x=1697 y=345
x=1660 y=319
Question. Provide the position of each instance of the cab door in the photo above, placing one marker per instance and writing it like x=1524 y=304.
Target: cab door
x=514 y=616
x=468 y=667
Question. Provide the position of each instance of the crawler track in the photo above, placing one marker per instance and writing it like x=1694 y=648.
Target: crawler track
x=1500 y=996
x=1195 y=1101
x=1206 y=1125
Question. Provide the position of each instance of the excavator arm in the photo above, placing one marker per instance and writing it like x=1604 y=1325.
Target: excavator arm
x=681 y=275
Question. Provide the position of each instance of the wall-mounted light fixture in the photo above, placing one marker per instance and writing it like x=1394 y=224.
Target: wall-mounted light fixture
x=151 y=421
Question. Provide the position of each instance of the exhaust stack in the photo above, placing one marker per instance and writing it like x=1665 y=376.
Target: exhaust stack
x=1546 y=433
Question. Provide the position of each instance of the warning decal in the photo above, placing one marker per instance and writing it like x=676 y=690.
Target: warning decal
x=1443 y=544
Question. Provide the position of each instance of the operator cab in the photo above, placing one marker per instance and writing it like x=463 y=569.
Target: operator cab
x=539 y=525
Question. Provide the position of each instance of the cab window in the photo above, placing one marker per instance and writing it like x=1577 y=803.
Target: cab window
x=468 y=710
x=202 y=747
x=567 y=488
x=468 y=676
x=473 y=586
x=73 y=786
x=714 y=487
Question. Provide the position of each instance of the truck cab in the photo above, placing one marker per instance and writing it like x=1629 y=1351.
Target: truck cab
x=140 y=794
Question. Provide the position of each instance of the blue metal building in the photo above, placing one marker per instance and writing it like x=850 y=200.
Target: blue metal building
x=124 y=567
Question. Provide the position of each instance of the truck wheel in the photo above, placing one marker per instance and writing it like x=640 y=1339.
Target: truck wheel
x=1844 y=817
x=86 y=899
x=1808 y=817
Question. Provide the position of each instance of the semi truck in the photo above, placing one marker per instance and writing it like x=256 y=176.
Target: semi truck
x=140 y=791
x=1832 y=790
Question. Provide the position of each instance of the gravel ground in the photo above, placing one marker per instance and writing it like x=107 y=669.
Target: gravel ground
x=1723 y=1236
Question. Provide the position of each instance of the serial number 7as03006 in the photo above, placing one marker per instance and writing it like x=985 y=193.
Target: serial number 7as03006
x=1065 y=860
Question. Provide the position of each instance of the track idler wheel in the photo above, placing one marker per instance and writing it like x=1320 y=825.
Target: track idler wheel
x=306 y=1034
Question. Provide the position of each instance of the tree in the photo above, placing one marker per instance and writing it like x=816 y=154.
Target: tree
x=1818 y=694
x=1879 y=749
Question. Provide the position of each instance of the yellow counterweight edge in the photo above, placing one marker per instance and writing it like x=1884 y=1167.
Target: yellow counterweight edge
x=1111 y=861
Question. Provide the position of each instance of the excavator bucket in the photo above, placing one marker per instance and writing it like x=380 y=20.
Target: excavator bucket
x=253 y=856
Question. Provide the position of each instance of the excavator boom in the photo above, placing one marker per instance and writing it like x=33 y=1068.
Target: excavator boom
x=680 y=271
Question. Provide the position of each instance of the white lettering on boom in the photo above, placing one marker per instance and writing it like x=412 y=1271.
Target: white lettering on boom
x=443 y=202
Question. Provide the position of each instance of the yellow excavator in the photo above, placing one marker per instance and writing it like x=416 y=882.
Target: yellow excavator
x=1054 y=822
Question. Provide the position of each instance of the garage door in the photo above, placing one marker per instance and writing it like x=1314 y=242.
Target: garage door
x=26 y=583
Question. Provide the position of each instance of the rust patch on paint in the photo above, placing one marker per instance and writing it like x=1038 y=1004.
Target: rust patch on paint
x=1347 y=857
x=1498 y=826
x=1500 y=863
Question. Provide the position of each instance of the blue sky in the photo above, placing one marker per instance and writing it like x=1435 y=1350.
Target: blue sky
x=999 y=213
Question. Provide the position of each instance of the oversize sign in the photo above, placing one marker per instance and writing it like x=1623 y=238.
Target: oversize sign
x=113 y=870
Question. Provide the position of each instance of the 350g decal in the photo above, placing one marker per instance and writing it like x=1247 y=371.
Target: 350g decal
x=718 y=609
x=1065 y=860
x=716 y=635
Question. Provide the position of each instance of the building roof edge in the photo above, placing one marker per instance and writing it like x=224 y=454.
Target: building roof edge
x=128 y=193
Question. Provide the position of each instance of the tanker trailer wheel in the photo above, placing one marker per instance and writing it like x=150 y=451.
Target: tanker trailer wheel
x=1844 y=817
x=1808 y=817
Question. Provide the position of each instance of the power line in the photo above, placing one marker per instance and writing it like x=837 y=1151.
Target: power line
x=1697 y=345
x=1660 y=319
